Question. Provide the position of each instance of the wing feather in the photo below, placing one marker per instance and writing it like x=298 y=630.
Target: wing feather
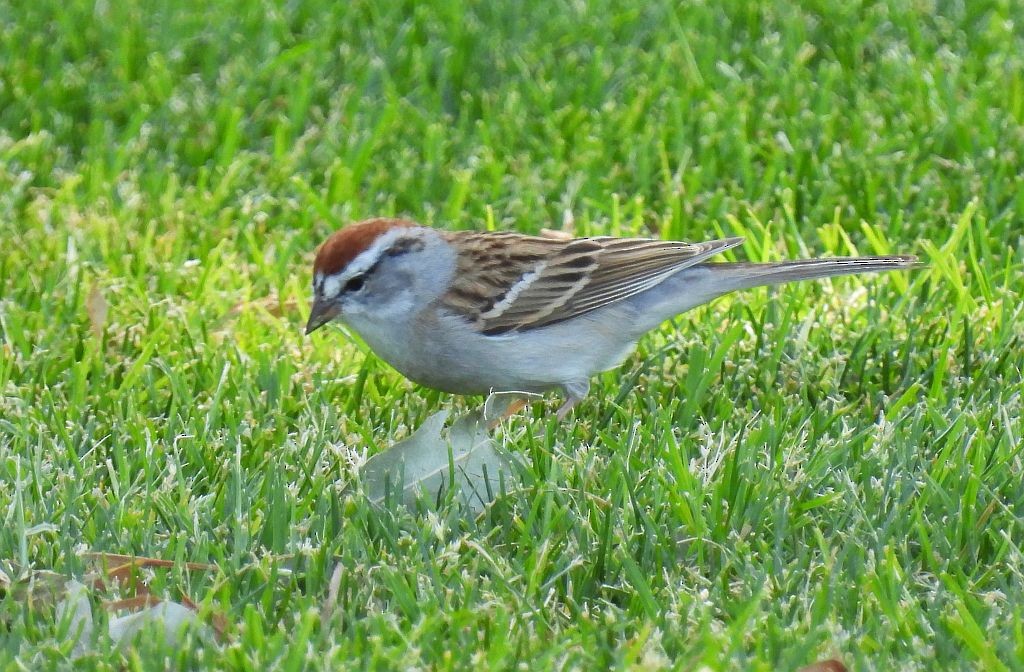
x=545 y=281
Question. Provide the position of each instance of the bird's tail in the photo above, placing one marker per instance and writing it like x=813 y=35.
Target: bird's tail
x=743 y=275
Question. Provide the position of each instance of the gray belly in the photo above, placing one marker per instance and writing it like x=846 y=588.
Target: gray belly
x=445 y=354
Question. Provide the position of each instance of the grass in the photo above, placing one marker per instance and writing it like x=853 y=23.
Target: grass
x=826 y=470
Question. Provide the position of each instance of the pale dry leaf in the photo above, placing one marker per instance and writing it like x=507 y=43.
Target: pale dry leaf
x=69 y=602
x=173 y=618
x=75 y=614
x=428 y=462
x=96 y=308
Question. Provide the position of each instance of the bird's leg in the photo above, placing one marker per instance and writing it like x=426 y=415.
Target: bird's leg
x=574 y=393
x=566 y=408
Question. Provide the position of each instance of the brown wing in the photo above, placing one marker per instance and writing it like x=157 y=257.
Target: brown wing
x=540 y=281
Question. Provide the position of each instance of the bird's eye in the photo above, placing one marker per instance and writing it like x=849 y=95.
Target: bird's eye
x=355 y=284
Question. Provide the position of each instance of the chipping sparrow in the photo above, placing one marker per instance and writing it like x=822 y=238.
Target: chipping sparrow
x=472 y=313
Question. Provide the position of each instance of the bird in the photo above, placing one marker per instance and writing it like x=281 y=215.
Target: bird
x=478 y=312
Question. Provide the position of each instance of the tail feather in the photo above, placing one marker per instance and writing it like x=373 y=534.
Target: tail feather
x=699 y=284
x=743 y=275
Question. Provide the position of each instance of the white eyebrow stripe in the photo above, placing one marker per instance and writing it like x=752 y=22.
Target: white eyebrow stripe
x=330 y=287
x=514 y=292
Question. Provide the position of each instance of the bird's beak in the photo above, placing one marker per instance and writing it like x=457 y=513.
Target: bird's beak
x=321 y=313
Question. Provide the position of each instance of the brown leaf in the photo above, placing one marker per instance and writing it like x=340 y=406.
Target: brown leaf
x=116 y=560
x=71 y=599
x=121 y=568
x=218 y=621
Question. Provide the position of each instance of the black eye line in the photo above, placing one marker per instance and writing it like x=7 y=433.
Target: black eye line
x=361 y=277
x=358 y=281
x=402 y=247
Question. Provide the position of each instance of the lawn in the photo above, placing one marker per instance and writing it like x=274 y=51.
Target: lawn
x=826 y=470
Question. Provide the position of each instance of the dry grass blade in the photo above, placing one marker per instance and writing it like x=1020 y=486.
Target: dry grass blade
x=97 y=308
x=331 y=603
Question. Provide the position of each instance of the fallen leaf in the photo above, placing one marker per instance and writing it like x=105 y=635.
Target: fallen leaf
x=429 y=462
x=69 y=601
x=121 y=568
x=75 y=613
x=173 y=617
